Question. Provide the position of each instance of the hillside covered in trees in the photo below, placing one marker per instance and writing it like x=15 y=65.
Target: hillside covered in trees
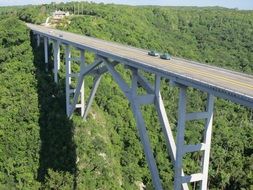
x=41 y=148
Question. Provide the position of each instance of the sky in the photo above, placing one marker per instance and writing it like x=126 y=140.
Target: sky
x=240 y=4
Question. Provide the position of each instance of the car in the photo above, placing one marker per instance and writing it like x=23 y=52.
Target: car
x=60 y=35
x=153 y=53
x=166 y=56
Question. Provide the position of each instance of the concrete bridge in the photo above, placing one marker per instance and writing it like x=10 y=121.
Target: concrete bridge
x=214 y=81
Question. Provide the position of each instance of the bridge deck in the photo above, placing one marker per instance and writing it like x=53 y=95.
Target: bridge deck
x=223 y=83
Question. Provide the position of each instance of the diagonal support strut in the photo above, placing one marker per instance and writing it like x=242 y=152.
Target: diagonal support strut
x=92 y=95
x=131 y=94
x=160 y=108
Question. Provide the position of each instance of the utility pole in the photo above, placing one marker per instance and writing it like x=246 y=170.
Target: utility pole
x=78 y=8
x=82 y=8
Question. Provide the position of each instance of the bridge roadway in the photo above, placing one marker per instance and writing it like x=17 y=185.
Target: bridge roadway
x=223 y=83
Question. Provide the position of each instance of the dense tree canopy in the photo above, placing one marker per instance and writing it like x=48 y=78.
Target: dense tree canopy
x=19 y=111
x=41 y=148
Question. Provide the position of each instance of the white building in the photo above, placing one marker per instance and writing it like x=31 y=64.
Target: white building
x=60 y=14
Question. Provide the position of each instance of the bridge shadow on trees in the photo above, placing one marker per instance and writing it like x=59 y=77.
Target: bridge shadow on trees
x=58 y=150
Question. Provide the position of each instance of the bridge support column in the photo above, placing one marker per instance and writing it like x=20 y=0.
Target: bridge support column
x=56 y=46
x=68 y=78
x=82 y=65
x=46 y=52
x=38 y=40
x=183 y=149
x=207 y=141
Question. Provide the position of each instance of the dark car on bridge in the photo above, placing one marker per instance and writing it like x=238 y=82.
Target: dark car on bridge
x=165 y=56
x=153 y=53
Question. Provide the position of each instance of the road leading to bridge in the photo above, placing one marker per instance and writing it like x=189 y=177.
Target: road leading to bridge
x=227 y=84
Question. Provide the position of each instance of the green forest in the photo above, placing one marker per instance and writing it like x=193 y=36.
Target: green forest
x=40 y=148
